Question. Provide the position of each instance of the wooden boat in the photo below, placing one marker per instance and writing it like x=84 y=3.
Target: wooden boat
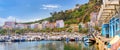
x=88 y=39
x=72 y=39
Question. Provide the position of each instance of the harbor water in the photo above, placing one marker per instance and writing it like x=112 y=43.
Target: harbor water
x=45 y=45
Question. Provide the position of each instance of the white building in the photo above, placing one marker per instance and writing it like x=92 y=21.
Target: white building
x=44 y=24
x=59 y=23
x=36 y=26
x=20 y=26
x=32 y=26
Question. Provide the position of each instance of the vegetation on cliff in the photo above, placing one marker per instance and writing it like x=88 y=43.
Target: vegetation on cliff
x=76 y=15
x=73 y=16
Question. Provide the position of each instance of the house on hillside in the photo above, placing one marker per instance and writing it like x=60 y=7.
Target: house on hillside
x=40 y=26
x=93 y=18
x=36 y=26
x=9 y=25
x=52 y=25
x=44 y=24
x=32 y=26
x=59 y=23
x=20 y=26
x=75 y=27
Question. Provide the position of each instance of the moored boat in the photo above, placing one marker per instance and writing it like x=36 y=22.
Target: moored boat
x=88 y=39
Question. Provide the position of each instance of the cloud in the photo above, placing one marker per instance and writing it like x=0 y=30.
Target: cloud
x=50 y=6
x=2 y=20
x=12 y=18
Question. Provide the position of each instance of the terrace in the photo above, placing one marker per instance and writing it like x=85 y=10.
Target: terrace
x=109 y=8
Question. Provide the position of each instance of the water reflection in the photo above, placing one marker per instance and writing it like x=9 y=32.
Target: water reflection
x=45 y=45
x=78 y=46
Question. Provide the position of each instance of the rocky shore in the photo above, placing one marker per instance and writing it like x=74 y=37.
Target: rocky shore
x=57 y=36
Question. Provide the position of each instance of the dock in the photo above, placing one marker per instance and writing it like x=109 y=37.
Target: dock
x=113 y=43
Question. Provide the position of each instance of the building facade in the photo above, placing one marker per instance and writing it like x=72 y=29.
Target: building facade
x=59 y=23
x=44 y=24
x=105 y=30
x=52 y=25
x=20 y=26
x=112 y=28
x=75 y=27
x=93 y=18
x=9 y=24
x=40 y=26
x=35 y=26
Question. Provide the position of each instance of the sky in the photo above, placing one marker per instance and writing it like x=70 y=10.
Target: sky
x=32 y=10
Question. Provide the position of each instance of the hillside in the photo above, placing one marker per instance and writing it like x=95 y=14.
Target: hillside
x=73 y=16
x=76 y=15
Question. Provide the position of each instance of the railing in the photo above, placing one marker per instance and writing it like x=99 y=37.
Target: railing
x=110 y=1
x=100 y=12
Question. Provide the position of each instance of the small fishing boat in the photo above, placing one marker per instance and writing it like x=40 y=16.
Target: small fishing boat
x=22 y=39
x=72 y=39
x=2 y=40
x=7 y=39
x=88 y=39
x=67 y=39
x=16 y=40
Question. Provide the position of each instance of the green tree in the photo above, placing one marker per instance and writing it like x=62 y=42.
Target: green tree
x=3 y=31
x=97 y=28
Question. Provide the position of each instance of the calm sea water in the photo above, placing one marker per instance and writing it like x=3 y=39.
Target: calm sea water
x=45 y=45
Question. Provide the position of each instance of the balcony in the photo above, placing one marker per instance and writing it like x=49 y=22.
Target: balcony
x=111 y=7
x=111 y=2
x=108 y=10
